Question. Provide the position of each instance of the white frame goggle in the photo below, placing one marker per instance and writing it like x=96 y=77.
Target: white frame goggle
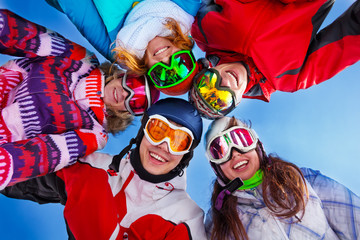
x=167 y=139
x=132 y=93
x=231 y=144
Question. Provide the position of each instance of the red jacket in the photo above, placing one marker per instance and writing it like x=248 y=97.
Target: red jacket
x=278 y=41
x=117 y=206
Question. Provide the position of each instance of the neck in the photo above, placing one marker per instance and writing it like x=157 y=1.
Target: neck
x=253 y=182
x=145 y=175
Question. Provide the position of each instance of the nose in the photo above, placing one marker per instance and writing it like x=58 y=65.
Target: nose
x=125 y=94
x=164 y=146
x=235 y=153
x=166 y=59
x=225 y=79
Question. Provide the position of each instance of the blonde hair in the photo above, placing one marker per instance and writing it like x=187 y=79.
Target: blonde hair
x=116 y=120
x=138 y=66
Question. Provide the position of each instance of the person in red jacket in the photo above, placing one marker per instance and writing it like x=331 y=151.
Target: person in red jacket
x=137 y=194
x=256 y=47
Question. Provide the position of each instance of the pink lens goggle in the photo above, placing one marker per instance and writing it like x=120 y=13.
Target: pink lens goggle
x=241 y=138
x=139 y=98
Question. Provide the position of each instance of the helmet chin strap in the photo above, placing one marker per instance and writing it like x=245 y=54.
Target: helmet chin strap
x=237 y=183
x=228 y=190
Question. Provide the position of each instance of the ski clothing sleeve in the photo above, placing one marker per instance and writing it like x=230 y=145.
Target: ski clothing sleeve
x=335 y=47
x=99 y=21
x=341 y=206
x=42 y=128
x=280 y=44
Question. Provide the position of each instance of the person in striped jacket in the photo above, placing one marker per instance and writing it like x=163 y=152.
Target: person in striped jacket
x=57 y=105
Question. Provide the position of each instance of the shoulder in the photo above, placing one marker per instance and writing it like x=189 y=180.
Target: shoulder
x=98 y=160
x=190 y=6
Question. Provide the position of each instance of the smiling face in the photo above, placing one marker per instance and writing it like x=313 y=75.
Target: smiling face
x=115 y=95
x=159 y=49
x=234 y=76
x=240 y=165
x=157 y=160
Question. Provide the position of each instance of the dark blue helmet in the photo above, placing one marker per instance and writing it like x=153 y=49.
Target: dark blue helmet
x=180 y=111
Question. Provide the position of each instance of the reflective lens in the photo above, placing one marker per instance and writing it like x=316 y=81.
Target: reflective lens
x=158 y=129
x=221 y=100
x=139 y=98
x=182 y=64
x=219 y=148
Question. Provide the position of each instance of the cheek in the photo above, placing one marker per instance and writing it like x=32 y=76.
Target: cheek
x=142 y=150
x=225 y=167
x=178 y=159
x=149 y=60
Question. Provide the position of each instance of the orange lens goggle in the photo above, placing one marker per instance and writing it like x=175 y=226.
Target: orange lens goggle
x=158 y=130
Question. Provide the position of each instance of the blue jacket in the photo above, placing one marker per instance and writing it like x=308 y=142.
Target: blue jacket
x=99 y=21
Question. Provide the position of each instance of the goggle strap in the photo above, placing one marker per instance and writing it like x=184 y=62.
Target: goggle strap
x=115 y=163
x=228 y=190
x=131 y=94
x=147 y=92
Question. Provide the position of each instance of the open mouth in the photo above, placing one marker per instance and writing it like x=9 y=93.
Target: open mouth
x=233 y=76
x=161 y=50
x=157 y=157
x=240 y=165
x=116 y=95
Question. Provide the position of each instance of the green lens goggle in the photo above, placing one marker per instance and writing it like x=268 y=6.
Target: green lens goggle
x=182 y=64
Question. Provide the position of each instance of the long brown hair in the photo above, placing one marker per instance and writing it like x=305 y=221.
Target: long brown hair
x=283 y=187
x=116 y=120
x=137 y=65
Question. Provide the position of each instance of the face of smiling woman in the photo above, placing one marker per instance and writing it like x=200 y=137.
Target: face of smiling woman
x=234 y=76
x=115 y=95
x=240 y=165
x=159 y=49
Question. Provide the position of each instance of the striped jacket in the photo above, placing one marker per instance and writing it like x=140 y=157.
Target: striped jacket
x=51 y=107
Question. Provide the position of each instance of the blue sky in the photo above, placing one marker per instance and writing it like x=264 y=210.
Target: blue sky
x=316 y=128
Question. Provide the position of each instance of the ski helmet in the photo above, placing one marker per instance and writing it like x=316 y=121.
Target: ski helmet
x=221 y=125
x=177 y=110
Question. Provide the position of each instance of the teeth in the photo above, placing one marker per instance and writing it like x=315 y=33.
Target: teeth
x=161 y=50
x=115 y=95
x=240 y=164
x=157 y=157
x=233 y=76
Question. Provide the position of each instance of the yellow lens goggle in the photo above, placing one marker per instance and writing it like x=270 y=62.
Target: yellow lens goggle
x=220 y=99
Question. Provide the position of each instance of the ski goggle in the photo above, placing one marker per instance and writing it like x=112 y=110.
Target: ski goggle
x=139 y=98
x=158 y=130
x=182 y=64
x=241 y=138
x=207 y=85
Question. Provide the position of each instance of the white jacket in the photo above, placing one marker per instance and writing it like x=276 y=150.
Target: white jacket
x=332 y=212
